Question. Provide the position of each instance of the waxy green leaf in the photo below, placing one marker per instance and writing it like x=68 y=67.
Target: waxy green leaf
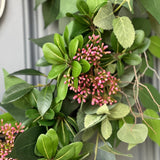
x=16 y=92
x=106 y=128
x=73 y=46
x=56 y=70
x=104 y=17
x=133 y=133
x=103 y=110
x=124 y=31
x=85 y=65
x=52 y=54
x=76 y=69
x=80 y=39
x=44 y=100
x=82 y=7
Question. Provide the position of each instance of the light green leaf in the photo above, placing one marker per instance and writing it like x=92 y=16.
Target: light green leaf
x=154 y=123
x=132 y=59
x=106 y=128
x=133 y=133
x=82 y=6
x=54 y=138
x=93 y=6
x=130 y=146
x=146 y=99
x=120 y=110
x=7 y=118
x=52 y=54
x=42 y=62
x=91 y=120
x=44 y=100
x=103 y=110
x=154 y=47
x=73 y=46
x=76 y=69
x=66 y=36
x=44 y=146
x=56 y=70
x=16 y=92
x=104 y=17
x=70 y=151
x=32 y=113
x=85 y=65
x=152 y=7
x=62 y=88
x=49 y=115
x=124 y=31
x=59 y=42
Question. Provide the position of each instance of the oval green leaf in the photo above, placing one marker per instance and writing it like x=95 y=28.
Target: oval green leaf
x=82 y=7
x=85 y=65
x=124 y=31
x=73 y=46
x=132 y=59
x=76 y=69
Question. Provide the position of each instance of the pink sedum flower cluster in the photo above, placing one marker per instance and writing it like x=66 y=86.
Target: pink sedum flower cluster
x=7 y=142
x=97 y=83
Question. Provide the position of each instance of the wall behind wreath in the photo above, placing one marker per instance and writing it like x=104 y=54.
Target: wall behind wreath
x=19 y=23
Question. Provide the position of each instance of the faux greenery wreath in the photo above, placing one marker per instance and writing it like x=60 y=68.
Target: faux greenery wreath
x=94 y=88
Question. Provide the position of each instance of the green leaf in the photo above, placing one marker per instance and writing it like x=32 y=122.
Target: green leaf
x=103 y=110
x=46 y=123
x=15 y=92
x=91 y=120
x=17 y=113
x=56 y=70
x=66 y=36
x=120 y=110
x=52 y=54
x=104 y=17
x=133 y=133
x=59 y=42
x=49 y=115
x=11 y=80
x=32 y=113
x=85 y=65
x=44 y=100
x=107 y=148
x=50 y=11
x=76 y=69
x=120 y=68
x=25 y=143
x=122 y=27
x=80 y=39
x=146 y=99
x=65 y=7
x=106 y=128
x=44 y=146
x=154 y=47
x=62 y=88
x=70 y=151
x=63 y=134
x=42 y=40
x=42 y=62
x=7 y=118
x=143 y=47
x=80 y=119
x=82 y=7
x=154 y=123
x=127 y=77
x=139 y=38
x=152 y=7
x=132 y=59
x=28 y=71
x=93 y=6
x=38 y=2
x=54 y=137
x=142 y=24
x=73 y=46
